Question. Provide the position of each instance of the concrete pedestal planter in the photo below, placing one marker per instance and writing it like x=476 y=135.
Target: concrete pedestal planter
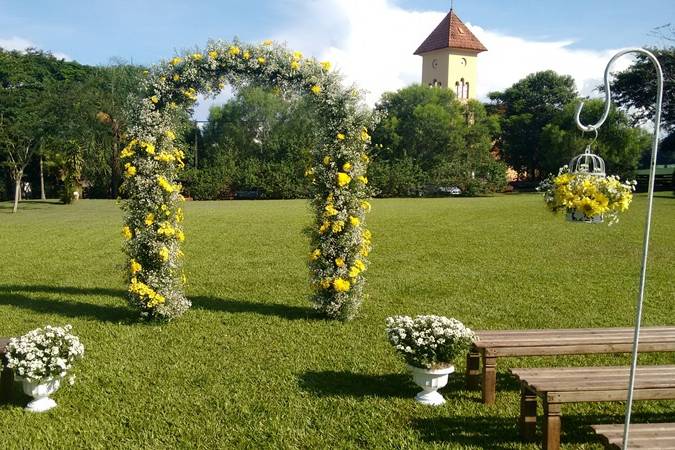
x=430 y=380
x=40 y=391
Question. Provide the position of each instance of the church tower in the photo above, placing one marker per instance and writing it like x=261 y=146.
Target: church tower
x=449 y=57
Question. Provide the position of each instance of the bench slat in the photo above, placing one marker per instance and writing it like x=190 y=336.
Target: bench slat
x=550 y=350
x=657 y=435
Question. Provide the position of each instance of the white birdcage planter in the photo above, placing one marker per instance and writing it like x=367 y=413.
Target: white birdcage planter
x=588 y=163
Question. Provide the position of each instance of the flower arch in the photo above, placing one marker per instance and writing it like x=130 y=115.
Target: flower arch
x=153 y=233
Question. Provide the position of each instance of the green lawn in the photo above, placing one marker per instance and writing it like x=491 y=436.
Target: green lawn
x=250 y=366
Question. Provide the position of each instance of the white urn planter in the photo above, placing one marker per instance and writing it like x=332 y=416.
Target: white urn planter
x=430 y=380
x=40 y=391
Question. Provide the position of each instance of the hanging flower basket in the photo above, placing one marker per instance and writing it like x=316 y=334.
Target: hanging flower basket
x=585 y=192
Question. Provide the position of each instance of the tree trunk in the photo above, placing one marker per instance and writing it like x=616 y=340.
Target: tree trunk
x=17 y=191
x=42 y=182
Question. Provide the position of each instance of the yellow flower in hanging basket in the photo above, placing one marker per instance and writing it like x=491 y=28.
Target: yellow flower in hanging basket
x=586 y=197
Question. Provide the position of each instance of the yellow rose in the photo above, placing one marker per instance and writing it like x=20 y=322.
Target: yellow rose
x=339 y=262
x=154 y=99
x=343 y=179
x=325 y=65
x=261 y=60
x=234 y=51
x=149 y=219
x=316 y=89
x=134 y=267
x=176 y=60
x=213 y=54
x=354 y=221
x=326 y=160
x=126 y=232
x=341 y=137
x=315 y=255
x=347 y=167
x=164 y=254
x=341 y=285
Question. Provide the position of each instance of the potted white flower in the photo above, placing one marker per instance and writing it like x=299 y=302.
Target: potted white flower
x=41 y=359
x=429 y=344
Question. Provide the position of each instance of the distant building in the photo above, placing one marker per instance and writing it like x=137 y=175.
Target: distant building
x=449 y=57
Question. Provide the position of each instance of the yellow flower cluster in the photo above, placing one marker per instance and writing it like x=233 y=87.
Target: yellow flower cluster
x=166 y=229
x=166 y=185
x=129 y=170
x=341 y=285
x=126 y=232
x=190 y=93
x=134 y=267
x=588 y=195
x=343 y=179
x=145 y=293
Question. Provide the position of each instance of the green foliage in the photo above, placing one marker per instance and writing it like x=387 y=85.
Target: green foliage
x=618 y=143
x=259 y=140
x=525 y=109
x=398 y=177
x=423 y=133
x=635 y=88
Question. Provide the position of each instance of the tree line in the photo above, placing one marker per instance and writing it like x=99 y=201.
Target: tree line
x=63 y=124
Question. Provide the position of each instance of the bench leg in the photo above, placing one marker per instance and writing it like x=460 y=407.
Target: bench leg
x=551 y=426
x=6 y=382
x=489 y=379
x=528 y=414
x=472 y=370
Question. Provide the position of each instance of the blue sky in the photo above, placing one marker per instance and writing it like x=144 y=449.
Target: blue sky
x=369 y=41
x=93 y=31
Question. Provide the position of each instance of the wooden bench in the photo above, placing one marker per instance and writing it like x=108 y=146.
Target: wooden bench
x=576 y=341
x=556 y=386
x=7 y=375
x=642 y=435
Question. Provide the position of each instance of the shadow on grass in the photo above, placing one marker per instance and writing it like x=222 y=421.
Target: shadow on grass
x=229 y=305
x=347 y=384
x=507 y=382
x=23 y=296
x=17 y=399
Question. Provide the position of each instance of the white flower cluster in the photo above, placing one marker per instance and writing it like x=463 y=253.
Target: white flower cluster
x=44 y=353
x=428 y=341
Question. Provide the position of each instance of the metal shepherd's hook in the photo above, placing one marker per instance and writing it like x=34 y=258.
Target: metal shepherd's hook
x=645 y=246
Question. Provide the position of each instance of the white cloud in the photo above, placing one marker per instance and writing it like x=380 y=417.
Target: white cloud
x=372 y=43
x=21 y=44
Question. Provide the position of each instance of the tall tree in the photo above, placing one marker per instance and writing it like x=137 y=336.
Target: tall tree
x=526 y=107
x=635 y=88
x=619 y=143
x=427 y=135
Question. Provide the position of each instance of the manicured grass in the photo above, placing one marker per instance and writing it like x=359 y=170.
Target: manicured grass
x=251 y=366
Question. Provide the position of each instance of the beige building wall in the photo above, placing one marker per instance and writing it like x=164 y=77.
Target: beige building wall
x=451 y=68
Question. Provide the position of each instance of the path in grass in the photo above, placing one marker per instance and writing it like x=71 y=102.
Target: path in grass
x=250 y=365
